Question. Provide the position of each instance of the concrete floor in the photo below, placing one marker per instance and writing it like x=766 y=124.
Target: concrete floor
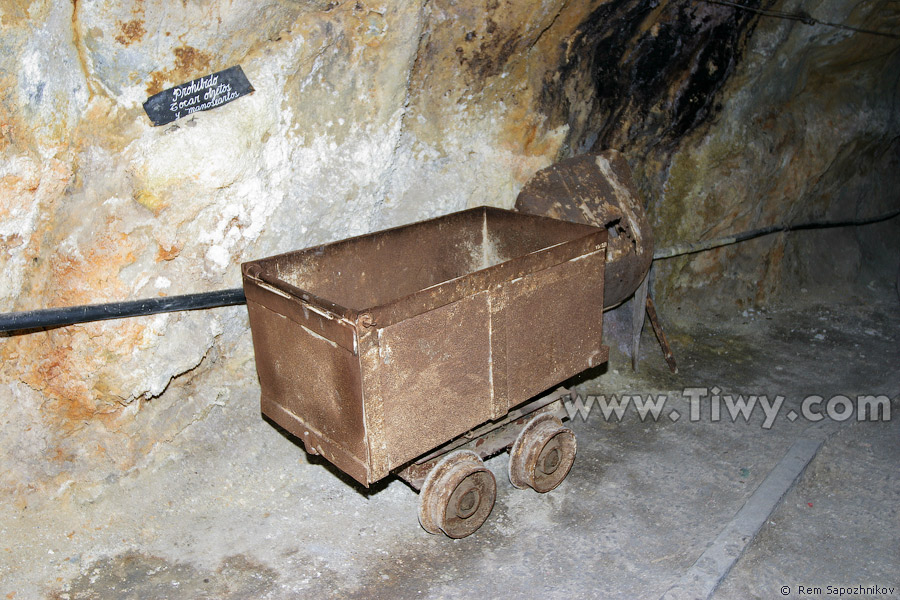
x=232 y=508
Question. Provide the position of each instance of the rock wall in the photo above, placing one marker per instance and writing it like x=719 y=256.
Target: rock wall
x=368 y=115
x=808 y=131
x=735 y=121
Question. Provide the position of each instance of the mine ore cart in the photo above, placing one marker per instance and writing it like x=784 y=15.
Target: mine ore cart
x=421 y=350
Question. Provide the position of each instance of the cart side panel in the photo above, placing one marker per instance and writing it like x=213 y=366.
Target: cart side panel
x=311 y=387
x=554 y=320
x=434 y=377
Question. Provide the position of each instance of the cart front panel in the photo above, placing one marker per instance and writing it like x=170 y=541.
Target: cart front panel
x=435 y=372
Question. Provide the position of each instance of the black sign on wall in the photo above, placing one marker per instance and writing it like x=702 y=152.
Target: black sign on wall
x=205 y=93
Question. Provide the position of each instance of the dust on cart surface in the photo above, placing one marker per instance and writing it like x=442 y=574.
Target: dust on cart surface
x=377 y=349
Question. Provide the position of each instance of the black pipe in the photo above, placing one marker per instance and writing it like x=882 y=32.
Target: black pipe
x=691 y=248
x=54 y=317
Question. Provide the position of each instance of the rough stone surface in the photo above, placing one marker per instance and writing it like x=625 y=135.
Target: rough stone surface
x=368 y=115
x=806 y=130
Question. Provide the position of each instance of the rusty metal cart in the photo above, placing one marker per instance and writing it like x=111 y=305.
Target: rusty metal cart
x=420 y=350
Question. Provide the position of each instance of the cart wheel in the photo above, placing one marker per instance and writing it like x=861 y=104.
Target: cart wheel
x=542 y=455
x=457 y=495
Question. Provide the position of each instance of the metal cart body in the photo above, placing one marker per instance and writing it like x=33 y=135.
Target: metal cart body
x=378 y=349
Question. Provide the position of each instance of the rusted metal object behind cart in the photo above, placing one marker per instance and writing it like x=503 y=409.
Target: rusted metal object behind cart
x=598 y=189
x=378 y=349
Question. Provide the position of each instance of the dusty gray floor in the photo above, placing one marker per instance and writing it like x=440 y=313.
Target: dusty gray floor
x=232 y=508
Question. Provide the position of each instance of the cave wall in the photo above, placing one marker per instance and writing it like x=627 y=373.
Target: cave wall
x=732 y=122
x=368 y=115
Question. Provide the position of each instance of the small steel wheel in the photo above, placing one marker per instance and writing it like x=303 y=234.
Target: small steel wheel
x=457 y=495
x=542 y=455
